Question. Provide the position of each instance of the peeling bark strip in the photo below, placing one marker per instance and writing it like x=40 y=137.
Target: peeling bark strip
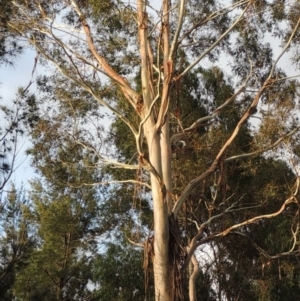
x=148 y=258
x=177 y=258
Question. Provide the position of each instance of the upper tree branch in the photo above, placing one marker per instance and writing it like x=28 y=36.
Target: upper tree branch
x=219 y=40
x=142 y=18
x=222 y=11
x=129 y=93
x=178 y=30
x=167 y=66
x=241 y=156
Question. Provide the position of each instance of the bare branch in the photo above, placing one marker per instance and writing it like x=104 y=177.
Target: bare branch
x=292 y=199
x=284 y=49
x=222 y=11
x=107 y=161
x=105 y=183
x=242 y=156
x=195 y=242
x=136 y=244
x=178 y=30
x=201 y=120
x=208 y=50
x=286 y=78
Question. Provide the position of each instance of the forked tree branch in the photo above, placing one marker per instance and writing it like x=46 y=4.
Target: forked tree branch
x=195 y=242
x=192 y=184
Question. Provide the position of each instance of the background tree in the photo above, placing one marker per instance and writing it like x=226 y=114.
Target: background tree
x=60 y=268
x=17 y=241
x=65 y=218
x=118 y=274
x=16 y=238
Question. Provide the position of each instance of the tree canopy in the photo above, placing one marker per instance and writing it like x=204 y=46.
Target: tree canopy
x=178 y=119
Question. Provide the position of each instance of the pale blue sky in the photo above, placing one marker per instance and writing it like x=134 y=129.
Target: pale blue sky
x=11 y=78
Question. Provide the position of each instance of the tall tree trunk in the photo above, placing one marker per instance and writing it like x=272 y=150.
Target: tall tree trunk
x=159 y=154
x=161 y=264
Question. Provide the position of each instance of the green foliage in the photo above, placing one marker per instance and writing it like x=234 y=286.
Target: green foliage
x=73 y=150
x=16 y=118
x=119 y=275
x=17 y=241
x=16 y=121
x=9 y=46
x=60 y=268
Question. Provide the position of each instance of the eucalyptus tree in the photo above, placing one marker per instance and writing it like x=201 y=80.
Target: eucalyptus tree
x=100 y=48
x=235 y=265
